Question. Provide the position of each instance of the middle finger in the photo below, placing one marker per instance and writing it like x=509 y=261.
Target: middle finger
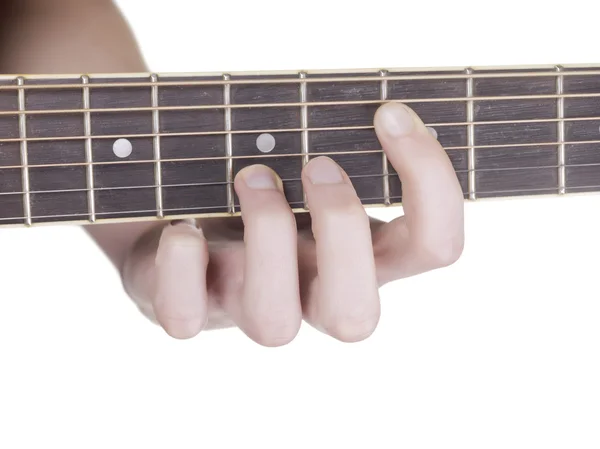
x=270 y=311
x=345 y=301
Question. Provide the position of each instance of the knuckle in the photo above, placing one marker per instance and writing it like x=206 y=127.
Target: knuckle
x=273 y=216
x=440 y=253
x=341 y=215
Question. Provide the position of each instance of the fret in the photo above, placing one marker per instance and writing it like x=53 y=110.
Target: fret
x=582 y=154
x=196 y=199
x=581 y=84
x=560 y=114
x=341 y=115
x=289 y=169
x=304 y=125
x=252 y=119
x=582 y=130
x=229 y=146
x=386 y=178
x=207 y=171
x=396 y=185
x=515 y=133
x=582 y=170
x=411 y=89
x=513 y=110
x=180 y=147
x=583 y=178
x=87 y=126
x=53 y=206
x=285 y=143
x=471 y=157
x=121 y=97
x=156 y=148
x=441 y=112
x=125 y=202
x=132 y=175
x=43 y=179
x=142 y=149
x=120 y=123
x=24 y=163
x=10 y=152
x=59 y=191
x=513 y=85
x=53 y=99
x=335 y=141
x=515 y=182
x=265 y=93
x=343 y=91
x=365 y=165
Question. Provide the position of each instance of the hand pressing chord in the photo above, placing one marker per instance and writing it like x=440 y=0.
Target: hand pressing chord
x=270 y=270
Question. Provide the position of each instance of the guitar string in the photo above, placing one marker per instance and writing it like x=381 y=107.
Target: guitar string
x=291 y=77
x=170 y=212
x=259 y=157
x=353 y=178
x=299 y=104
x=284 y=130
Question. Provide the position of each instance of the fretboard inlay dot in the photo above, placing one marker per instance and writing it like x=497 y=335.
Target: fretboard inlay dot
x=265 y=143
x=122 y=148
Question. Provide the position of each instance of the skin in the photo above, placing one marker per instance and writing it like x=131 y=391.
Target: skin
x=270 y=269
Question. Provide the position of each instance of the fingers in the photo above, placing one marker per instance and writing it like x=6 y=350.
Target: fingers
x=269 y=311
x=166 y=276
x=345 y=302
x=431 y=234
x=180 y=301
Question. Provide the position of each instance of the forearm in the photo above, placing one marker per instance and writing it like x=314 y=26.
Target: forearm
x=72 y=36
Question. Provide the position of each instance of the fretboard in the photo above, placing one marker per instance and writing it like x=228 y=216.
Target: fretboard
x=100 y=148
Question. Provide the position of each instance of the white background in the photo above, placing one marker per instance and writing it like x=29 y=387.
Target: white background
x=499 y=350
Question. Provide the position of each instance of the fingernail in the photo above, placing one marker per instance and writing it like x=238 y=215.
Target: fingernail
x=323 y=170
x=396 y=120
x=179 y=240
x=259 y=177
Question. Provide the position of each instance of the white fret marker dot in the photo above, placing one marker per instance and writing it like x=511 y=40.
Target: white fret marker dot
x=122 y=148
x=265 y=143
x=433 y=132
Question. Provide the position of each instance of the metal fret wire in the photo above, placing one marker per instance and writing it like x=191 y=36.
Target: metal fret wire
x=304 y=124
x=560 y=113
x=24 y=155
x=386 y=179
x=228 y=144
x=156 y=149
x=306 y=103
x=87 y=126
x=471 y=138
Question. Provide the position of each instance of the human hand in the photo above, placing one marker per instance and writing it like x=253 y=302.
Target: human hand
x=271 y=269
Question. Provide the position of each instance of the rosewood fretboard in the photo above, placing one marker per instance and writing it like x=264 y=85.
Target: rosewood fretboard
x=508 y=132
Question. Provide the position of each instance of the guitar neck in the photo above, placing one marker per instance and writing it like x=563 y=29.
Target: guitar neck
x=111 y=148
